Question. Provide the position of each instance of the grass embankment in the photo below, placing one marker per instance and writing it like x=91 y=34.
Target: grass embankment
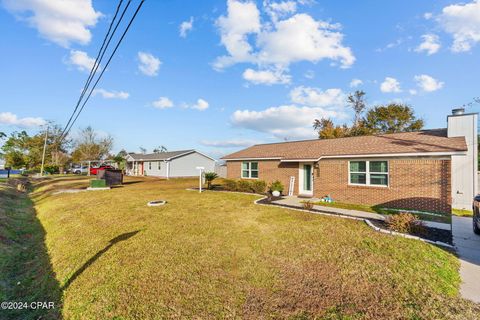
x=217 y=255
x=25 y=271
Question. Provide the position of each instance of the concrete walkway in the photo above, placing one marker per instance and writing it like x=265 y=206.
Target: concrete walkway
x=297 y=202
x=468 y=248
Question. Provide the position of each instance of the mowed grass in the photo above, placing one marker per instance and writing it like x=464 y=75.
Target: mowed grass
x=217 y=255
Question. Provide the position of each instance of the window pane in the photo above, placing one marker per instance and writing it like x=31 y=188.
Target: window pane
x=359 y=178
x=254 y=174
x=358 y=166
x=245 y=166
x=254 y=165
x=378 y=166
x=379 y=179
x=244 y=173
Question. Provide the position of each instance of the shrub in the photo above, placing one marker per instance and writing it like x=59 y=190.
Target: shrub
x=209 y=177
x=259 y=186
x=244 y=186
x=276 y=186
x=230 y=185
x=51 y=169
x=307 y=205
x=406 y=223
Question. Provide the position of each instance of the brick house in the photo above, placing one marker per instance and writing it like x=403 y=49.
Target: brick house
x=431 y=170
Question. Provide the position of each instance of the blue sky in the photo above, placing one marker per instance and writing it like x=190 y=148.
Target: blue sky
x=241 y=72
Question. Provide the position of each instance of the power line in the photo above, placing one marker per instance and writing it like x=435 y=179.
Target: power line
x=106 y=65
x=96 y=64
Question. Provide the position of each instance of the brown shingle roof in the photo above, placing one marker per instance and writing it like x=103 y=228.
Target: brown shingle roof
x=395 y=143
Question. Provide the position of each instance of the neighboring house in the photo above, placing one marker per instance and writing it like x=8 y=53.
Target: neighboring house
x=432 y=170
x=173 y=164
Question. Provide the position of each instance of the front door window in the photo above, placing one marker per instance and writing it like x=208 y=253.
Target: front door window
x=307 y=177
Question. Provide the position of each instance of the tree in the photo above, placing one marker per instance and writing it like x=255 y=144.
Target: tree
x=327 y=130
x=209 y=177
x=356 y=101
x=160 y=149
x=391 y=118
x=22 y=150
x=143 y=150
x=88 y=146
x=120 y=159
x=2 y=135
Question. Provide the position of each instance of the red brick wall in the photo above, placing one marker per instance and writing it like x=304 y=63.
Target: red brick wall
x=268 y=170
x=421 y=184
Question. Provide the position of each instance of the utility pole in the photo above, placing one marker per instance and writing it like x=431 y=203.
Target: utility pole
x=44 y=150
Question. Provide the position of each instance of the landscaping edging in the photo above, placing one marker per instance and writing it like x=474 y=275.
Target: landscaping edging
x=367 y=221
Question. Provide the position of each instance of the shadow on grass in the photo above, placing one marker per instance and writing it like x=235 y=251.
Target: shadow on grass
x=114 y=241
x=26 y=274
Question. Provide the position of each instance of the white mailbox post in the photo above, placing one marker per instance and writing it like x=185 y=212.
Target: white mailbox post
x=200 y=178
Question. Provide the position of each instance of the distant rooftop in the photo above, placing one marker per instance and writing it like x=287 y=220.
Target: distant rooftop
x=158 y=156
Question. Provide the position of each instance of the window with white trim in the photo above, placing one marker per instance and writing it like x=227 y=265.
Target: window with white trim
x=159 y=164
x=149 y=166
x=369 y=173
x=249 y=169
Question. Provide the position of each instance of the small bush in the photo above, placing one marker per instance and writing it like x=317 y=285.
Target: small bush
x=244 y=186
x=307 y=205
x=276 y=186
x=51 y=169
x=406 y=223
x=259 y=186
x=209 y=177
x=230 y=185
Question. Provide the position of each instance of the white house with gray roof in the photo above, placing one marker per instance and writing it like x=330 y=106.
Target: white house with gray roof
x=172 y=164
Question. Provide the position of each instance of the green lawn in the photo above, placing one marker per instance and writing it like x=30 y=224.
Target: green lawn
x=437 y=217
x=213 y=256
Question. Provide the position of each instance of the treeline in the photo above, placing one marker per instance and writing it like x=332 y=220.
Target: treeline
x=21 y=150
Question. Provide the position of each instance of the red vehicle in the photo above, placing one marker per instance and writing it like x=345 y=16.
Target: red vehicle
x=93 y=171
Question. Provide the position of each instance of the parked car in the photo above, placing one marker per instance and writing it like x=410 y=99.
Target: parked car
x=93 y=171
x=79 y=170
x=476 y=214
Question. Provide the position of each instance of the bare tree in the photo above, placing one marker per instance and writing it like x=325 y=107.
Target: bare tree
x=89 y=146
x=356 y=101
x=160 y=149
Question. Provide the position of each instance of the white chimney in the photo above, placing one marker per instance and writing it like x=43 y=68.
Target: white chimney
x=464 y=167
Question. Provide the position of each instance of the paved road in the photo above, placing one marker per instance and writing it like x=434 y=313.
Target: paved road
x=468 y=249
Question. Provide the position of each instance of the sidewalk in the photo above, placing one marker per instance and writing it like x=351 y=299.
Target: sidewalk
x=468 y=248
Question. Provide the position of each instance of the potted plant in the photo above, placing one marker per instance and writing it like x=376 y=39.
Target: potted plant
x=276 y=188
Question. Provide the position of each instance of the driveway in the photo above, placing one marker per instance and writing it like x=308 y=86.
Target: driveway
x=468 y=249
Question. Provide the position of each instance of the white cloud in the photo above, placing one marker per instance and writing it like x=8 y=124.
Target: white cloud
x=427 y=15
x=200 y=105
x=390 y=85
x=310 y=74
x=314 y=97
x=428 y=83
x=111 y=94
x=162 y=103
x=430 y=44
x=288 y=121
x=279 y=9
x=355 y=83
x=242 y=18
x=462 y=21
x=60 y=21
x=149 y=64
x=234 y=143
x=267 y=77
x=81 y=60
x=185 y=27
x=412 y=92
x=8 y=118
x=278 y=42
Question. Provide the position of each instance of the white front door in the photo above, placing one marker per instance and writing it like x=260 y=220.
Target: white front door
x=305 y=183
